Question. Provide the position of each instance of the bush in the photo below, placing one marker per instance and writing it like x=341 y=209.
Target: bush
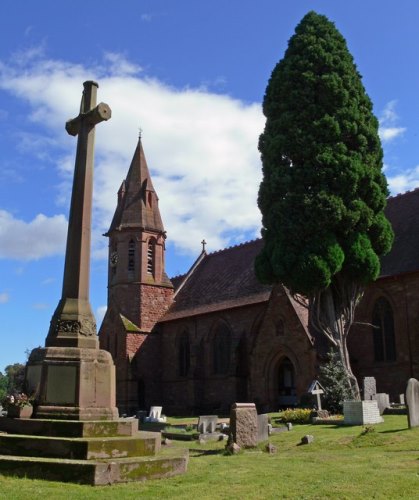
x=295 y=415
x=335 y=383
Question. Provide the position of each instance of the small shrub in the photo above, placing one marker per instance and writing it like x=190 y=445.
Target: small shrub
x=175 y=430
x=368 y=429
x=189 y=429
x=295 y=415
x=334 y=381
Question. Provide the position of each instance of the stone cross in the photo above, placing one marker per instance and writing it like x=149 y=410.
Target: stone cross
x=73 y=323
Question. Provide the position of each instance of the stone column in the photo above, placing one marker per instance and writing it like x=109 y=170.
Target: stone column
x=71 y=377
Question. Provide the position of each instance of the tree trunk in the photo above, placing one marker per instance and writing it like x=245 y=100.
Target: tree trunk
x=331 y=311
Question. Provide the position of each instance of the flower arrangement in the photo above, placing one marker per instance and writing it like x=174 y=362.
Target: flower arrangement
x=18 y=405
x=16 y=400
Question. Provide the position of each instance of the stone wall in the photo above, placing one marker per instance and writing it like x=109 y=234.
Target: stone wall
x=402 y=292
x=201 y=390
x=154 y=302
x=281 y=335
x=257 y=346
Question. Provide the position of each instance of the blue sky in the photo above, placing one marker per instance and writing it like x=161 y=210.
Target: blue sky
x=192 y=76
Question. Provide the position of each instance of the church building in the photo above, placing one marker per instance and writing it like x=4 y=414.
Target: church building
x=199 y=342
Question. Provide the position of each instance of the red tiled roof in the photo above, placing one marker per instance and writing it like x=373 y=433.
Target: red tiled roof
x=403 y=212
x=226 y=278
x=222 y=280
x=134 y=210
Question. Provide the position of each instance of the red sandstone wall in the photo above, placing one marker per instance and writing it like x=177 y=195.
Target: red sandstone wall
x=252 y=379
x=272 y=344
x=202 y=390
x=154 y=302
x=391 y=376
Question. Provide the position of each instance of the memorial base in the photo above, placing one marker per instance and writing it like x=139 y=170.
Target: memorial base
x=93 y=452
x=72 y=383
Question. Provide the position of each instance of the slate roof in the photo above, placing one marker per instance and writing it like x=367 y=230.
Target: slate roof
x=134 y=209
x=222 y=280
x=226 y=279
x=403 y=212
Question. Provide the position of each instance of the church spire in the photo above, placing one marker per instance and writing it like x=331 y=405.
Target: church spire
x=137 y=199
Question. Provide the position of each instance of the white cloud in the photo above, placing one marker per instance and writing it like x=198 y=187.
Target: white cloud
x=120 y=65
x=42 y=237
x=201 y=147
x=406 y=181
x=387 y=134
x=4 y=297
x=388 y=130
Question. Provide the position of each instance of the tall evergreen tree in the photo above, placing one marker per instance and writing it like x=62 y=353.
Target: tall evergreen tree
x=323 y=192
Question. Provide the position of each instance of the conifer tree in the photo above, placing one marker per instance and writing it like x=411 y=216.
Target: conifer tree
x=333 y=379
x=323 y=192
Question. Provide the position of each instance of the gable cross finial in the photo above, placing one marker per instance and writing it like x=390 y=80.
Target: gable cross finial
x=203 y=243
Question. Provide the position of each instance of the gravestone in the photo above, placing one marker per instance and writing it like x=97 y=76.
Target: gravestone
x=307 y=439
x=263 y=427
x=155 y=415
x=383 y=401
x=207 y=424
x=412 y=402
x=244 y=424
x=369 y=387
x=402 y=400
x=271 y=449
x=361 y=412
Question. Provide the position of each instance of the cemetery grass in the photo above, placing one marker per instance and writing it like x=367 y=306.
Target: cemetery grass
x=380 y=461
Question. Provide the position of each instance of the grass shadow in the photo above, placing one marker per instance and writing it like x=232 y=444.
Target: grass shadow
x=392 y=431
x=194 y=452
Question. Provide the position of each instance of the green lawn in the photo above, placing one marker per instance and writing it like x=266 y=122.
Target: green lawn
x=343 y=462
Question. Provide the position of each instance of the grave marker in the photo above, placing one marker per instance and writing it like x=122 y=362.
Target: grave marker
x=244 y=424
x=316 y=389
x=412 y=402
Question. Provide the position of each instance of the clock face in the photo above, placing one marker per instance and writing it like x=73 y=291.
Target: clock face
x=114 y=259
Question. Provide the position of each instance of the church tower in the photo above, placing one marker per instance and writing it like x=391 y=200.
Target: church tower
x=139 y=291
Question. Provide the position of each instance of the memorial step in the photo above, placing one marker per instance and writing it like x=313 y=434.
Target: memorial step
x=141 y=444
x=69 y=428
x=167 y=463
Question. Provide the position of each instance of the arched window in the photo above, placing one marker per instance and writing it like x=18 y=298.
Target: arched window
x=184 y=354
x=150 y=257
x=221 y=349
x=383 y=331
x=131 y=255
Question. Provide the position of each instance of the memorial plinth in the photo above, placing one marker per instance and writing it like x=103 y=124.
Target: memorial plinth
x=71 y=377
x=95 y=452
x=74 y=433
